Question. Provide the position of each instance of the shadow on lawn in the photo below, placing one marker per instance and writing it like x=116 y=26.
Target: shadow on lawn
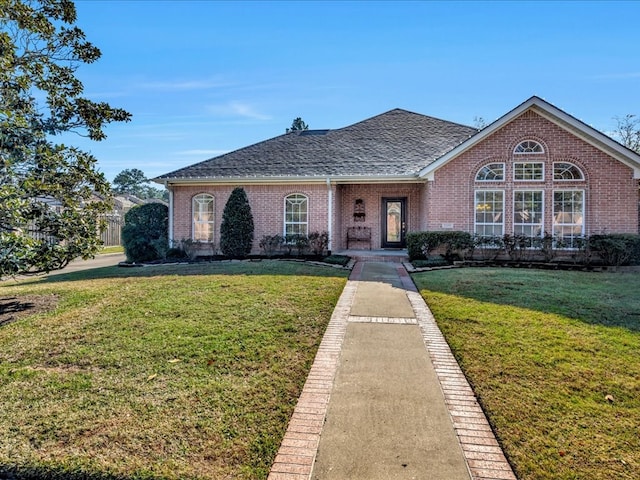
x=10 y=472
x=257 y=267
x=606 y=299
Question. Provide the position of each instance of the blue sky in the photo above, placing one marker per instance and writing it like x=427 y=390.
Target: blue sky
x=205 y=77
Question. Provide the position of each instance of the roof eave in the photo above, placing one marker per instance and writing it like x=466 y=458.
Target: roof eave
x=288 y=180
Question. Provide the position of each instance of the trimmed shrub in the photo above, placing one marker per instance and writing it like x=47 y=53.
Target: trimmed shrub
x=299 y=241
x=145 y=232
x=616 y=248
x=457 y=244
x=236 y=231
x=318 y=242
x=421 y=244
x=270 y=244
x=519 y=247
x=486 y=248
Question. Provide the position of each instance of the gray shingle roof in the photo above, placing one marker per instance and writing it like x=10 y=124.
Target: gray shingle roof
x=397 y=142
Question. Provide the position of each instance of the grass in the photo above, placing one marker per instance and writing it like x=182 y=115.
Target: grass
x=114 y=249
x=163 y=372
x=554 y=358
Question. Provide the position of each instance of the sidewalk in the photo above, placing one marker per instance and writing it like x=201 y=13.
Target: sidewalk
x=385 y=398
x=99 y=261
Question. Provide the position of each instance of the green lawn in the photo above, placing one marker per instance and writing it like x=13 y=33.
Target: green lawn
x=115 y=249
x=171 y=372
x=554 y=358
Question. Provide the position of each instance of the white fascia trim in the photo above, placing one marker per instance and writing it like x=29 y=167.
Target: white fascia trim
x=292 y=180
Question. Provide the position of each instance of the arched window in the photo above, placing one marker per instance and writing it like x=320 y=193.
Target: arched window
x=202 y=206
x=296 y=215
x=493 y=172
x=528 y=146
x=566 y=171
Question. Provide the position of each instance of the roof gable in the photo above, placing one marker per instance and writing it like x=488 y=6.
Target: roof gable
x=554 y=115
x=394 y=144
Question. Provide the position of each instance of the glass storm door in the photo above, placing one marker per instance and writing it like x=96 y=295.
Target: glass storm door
x=393 y=222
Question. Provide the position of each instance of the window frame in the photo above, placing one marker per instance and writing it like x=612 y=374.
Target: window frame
x=211 y=223
x=514 y=212
x=556 y=225
x=515 y=171
x=582 y=176
x=531 y=141
x=502 y=165
x=484 y=224
x=287 y=222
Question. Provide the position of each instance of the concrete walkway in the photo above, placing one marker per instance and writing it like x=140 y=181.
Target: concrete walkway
x=385 y=399
x=99 y=261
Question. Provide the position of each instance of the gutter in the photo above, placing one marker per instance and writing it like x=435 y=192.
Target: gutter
x=352 y=179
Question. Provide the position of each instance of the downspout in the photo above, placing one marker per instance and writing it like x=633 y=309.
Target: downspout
x=170 y=214
x=329 y=214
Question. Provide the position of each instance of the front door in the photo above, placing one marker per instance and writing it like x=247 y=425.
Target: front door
x=393 y=222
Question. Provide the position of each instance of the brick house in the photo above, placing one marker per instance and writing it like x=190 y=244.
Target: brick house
x=534 y=170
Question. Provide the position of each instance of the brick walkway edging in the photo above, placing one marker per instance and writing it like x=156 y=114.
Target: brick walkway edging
x=484 y=456
x=299 y=446
x=296 y=456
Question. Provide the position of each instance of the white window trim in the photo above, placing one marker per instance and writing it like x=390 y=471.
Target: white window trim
x=284 y=211
x=475 y=206
x=504 y=170
x=529 y=153
x=541 y=180
x=513 y=210
x=212 y=221
x=568 y=179
x=584 y=209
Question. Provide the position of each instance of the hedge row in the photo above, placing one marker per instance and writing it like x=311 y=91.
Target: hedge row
x=315 y=243
x=604 y=249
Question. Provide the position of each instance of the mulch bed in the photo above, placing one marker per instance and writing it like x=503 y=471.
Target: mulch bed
x=15 y=308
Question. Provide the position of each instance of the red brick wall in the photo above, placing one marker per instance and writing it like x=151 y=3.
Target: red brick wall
x=267 y=207
x=611 y=193
x=610 y=190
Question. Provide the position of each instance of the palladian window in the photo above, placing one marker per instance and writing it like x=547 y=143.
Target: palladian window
x=203 y=217
x=528 y=171
x=493 y=172
x=568 y=216
x=489 y=213
x=528 y=213
x=528 y=146
x=296 y=215
x=566 y=171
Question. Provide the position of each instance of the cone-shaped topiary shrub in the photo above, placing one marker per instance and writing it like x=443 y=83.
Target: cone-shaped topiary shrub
x=236 y=231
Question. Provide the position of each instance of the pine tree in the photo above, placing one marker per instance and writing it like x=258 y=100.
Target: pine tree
x=236 y=231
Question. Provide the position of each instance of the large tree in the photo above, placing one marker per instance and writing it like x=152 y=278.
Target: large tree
x=628 y=131
x=298 y=125
x=133 y=181
x=51 y=194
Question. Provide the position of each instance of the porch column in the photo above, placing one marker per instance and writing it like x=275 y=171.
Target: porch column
x=170 y=215
x=329 y=214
